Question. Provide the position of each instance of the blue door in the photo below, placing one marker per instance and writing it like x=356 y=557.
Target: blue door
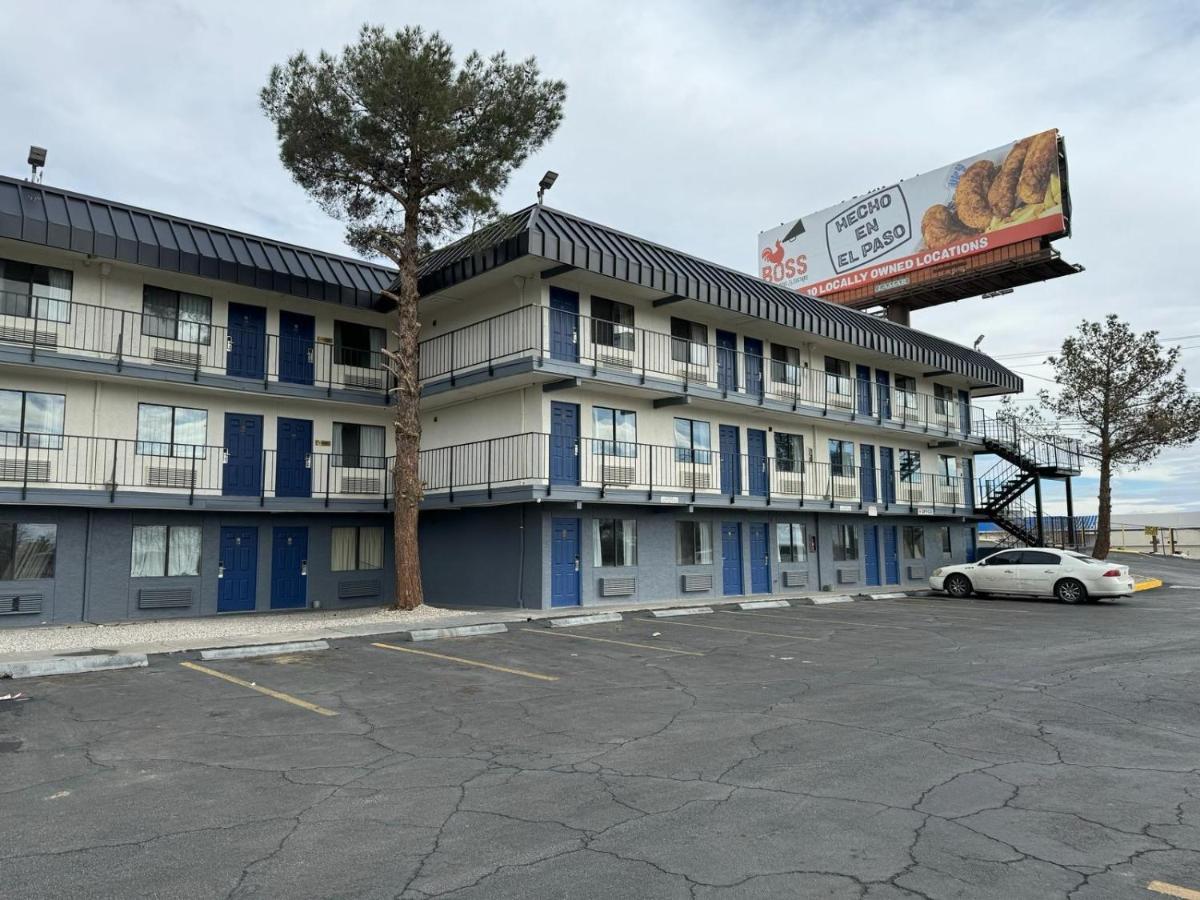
x=887 y=475
x=731 y=460
x=731 y=558
x=289 y=568
x=296 y=347
x=564 y=562
x=238 y=569
x=862 y=383
x=891 y=555
x=867 y=472
x=752 y=351
x=293 y=458
x=871 y=554
x=564 y=324
x=968 y=477
x=883 y=386
x=247 y=348
x=964 y=412
x=971 y=544
x=760 y=561
x=564 y=443
x=727 y=375
x=756 y=461
x=242 y=474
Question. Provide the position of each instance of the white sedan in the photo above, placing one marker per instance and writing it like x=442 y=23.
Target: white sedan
x=1036 y=572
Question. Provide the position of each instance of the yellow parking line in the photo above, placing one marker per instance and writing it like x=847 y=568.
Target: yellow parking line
x=1147 y=584
x=468 y=662
x=1173 y=890
x=278 y=695
x=588 y=637
x=794 y=637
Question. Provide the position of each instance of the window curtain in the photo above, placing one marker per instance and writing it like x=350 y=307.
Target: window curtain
x=378 y=338
x=191 y=431
x=54 y=298
x=195 y=316
x=704 y=544
x=10 y=418
x=44 y=420
x=154 y=430
x=159 y=312
x=343 y=550
x=149 y=551
x=371 y=440
x=14 y=288
x=345 y=452
x=628 y=535
x=370 y=548
x=183 y=557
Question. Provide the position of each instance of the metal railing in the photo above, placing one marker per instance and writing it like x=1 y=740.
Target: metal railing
x=117 y=336
x=549 y=334
x=109 y=466
x=547 y=462
x=1034 y=451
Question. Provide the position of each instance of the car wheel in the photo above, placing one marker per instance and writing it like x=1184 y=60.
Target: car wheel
x=1070 y=591
x=958 y=585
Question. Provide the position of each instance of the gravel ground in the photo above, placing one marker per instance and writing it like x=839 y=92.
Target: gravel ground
x=75 y=637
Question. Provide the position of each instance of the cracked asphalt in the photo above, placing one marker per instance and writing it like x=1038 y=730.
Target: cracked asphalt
x=895 y=749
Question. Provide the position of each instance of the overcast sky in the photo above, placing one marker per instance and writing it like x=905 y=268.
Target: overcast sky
x=696 y=125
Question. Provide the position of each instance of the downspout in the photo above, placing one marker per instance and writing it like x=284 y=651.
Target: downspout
x=817 y=552
x=87 y=555
x=521 y=561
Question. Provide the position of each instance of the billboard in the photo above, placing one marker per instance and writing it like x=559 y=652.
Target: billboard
x=990 y=200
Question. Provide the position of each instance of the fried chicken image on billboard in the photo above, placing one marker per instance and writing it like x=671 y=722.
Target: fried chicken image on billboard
x=1002 y=195
x=971 y=195
x=940 y=228
x=1040 y=163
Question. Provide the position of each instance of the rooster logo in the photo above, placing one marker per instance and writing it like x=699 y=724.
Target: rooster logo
x=773 y=255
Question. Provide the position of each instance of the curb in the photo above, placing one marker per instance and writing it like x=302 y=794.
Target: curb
x=764 y=604
x=72 y=665
x=251 y=650
x=895 y=595
x=680 y=611
x=433 y=634
x=572 y=621
x=1147 y=584
x=839 y=598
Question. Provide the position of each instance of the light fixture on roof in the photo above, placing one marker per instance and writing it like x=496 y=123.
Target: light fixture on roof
x=37 y=159
x=1000 y=293
x=546 y=183
x=978 y=341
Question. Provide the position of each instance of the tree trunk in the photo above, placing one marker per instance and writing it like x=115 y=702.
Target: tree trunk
x=406 y=477
x=1104 y=517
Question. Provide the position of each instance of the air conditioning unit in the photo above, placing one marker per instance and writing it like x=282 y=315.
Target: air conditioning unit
x=790 y=483
x=24 y=470
x=619 y=474
x=699 y=480
x=170 y=477
x=840 y=401
x=367 y=379
x=20 y=335
x=362 y=484
x=615 y=359
x=173 y=357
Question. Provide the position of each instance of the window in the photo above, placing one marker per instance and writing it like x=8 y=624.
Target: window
x=612 y=324
x=943 y=397
x=616 y=542
x=910 y=466
x=785 y=364
x=944 y=534
x=30 y=291
x=30 y=419
x=837 y=376
x=914 y=542
x=693 y=439
x=845 y=543
x=176 y=315
x=689 y=342
x=614 y=431
x=841 y=458
x=906 y=392
x=789 y=538
x=171 y=431
x=693 y=543
x=361 y=446
x=27 y=551
x=1005 y=558
x=949 y=467
x=789 y=452
x=165 y=550
x=1039 y=558
x=356 y=549
x=358 y=345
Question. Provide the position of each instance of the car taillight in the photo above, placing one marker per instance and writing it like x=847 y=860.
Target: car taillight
x=1112 y=573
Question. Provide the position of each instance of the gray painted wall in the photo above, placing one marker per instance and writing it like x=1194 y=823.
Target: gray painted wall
x=487 y=556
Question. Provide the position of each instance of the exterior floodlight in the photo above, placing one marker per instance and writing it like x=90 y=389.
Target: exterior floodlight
x=37 y=159
x=546 y=183
x=978 y=341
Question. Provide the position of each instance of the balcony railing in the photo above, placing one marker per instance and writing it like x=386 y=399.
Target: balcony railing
x=107 y=467
x=548 y=334
x=548 y=463
x=55 y=327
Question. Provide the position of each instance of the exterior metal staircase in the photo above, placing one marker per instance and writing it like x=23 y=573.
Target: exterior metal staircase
x=1025 y=459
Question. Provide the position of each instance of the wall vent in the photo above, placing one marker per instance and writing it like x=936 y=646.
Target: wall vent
x=618 y=474
x=164 y=598
x=170 y=477
x=361 y=484
x=700 y=480
x=618 y=587
x=173 y=357
x=24 y=605
x=18 y=335
x=694 y=583
x=795 y=579
x=24 y=470
x=353 y=590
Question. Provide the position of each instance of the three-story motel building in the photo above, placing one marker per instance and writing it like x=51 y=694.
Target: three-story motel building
x=196 y=421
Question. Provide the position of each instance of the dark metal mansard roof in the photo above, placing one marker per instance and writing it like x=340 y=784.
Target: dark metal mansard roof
x=66 y=220
x=553 y=235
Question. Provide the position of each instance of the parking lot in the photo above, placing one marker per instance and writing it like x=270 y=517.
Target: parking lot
x=905 y=748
